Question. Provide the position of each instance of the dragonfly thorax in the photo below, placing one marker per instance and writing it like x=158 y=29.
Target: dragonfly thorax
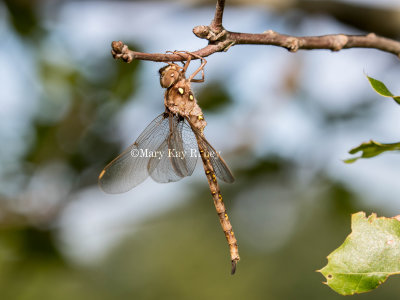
x=179 y=99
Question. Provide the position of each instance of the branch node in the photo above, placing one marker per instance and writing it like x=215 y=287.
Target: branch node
x=127 y=58
x=371 y=35
x=218 y=36
x=292 y=44
x=201 y=31
x=206 y=32
x=269 y=32
x=121 y=51
x=339 y=42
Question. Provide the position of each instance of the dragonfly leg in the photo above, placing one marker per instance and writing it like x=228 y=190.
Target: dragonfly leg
x=173 y=64
x=201 y=68
x=188 y=60
x=187 y=57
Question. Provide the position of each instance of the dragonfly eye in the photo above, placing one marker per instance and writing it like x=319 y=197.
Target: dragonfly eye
x=169 y=75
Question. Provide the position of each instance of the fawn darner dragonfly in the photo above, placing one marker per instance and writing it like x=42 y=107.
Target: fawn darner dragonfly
x=168 y=149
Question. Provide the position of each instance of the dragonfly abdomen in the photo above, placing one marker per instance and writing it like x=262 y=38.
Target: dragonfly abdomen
x=220 y=208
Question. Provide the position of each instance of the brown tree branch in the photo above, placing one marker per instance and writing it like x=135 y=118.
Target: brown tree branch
x=225 y=39
x=221 y=40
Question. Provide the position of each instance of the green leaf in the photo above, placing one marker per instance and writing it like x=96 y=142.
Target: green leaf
x=381 y=89
x=371 y=149
x=367 y=257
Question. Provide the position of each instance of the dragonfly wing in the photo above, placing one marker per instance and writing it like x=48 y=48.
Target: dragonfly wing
x=189 y=145
x=131 y=167
x=161 y=169
x=221 y=169
x=176 y=162
x=175 y=146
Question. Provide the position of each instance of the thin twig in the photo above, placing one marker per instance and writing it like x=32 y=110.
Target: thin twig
x=334 y=42
x=121 y=51
x=216 y=24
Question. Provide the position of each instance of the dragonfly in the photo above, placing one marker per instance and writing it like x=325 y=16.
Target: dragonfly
x=169 y=147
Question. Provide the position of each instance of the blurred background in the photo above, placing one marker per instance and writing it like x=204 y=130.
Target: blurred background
x=283 y=122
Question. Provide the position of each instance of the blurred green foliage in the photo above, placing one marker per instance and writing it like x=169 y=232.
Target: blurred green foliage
x=183 y=255
x=214 y=96
x=23 y=16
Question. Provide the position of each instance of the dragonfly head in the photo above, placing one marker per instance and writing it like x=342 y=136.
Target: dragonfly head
x=169 y=75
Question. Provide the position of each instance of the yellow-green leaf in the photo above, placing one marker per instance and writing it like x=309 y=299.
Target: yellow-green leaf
x=381 y=89
x=371 y=149
x=367 y=257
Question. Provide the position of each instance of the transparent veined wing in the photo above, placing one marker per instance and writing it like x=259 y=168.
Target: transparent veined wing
x=131 y=167
x=177 y=161
x=161 y=170
x=221 y=169
x=189 y=145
